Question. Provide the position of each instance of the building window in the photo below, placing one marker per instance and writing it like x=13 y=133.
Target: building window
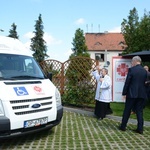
x=100 y=57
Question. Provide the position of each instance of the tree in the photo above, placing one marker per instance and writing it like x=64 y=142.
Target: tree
x=144 y=32
x=79 y=49
x=38 y=44
x=136 y=32
x=129 y=29
x=78 y=91
x=79 y=46
x=13 y=32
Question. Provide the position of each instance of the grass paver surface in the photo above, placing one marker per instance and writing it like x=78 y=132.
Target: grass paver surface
x=82 y=132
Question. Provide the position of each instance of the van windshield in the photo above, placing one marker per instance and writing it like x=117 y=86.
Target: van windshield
x=16 y=67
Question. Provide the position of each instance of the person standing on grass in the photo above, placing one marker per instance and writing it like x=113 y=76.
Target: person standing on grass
x=104 y=95
x=134 y=91
x=97 y=75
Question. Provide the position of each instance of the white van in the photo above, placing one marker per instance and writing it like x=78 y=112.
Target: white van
x=29 y=101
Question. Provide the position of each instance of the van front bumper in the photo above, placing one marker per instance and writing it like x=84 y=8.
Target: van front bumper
x=6 y=132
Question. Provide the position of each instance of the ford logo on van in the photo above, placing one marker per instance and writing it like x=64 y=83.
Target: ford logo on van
x=36 y=105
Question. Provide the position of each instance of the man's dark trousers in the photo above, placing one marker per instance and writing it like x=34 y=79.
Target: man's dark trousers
x=139 y=105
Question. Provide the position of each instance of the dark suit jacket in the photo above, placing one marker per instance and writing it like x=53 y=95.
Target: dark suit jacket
x=134 y=86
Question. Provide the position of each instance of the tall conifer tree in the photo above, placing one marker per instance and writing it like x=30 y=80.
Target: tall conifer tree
x=13 y=32
x=79 y=45
x=38 y=44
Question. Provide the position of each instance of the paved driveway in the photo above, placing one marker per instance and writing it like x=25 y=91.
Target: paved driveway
x=79 y=130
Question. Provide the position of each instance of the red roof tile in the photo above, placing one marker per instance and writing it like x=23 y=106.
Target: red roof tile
x=105 y=41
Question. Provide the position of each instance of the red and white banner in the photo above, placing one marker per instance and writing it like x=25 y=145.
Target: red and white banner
x=119 y=72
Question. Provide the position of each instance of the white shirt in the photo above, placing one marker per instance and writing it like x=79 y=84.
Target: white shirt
x=103 y=90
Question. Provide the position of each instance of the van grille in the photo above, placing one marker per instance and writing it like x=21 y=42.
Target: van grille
x=22 y=107
x=29 y=100
x=27 y=106
x=32 y=111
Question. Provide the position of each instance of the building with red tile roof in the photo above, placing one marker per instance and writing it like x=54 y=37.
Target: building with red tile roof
x=104 y=46
x=103 y=41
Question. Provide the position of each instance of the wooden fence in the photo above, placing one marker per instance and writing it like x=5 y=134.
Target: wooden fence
x=78 y=65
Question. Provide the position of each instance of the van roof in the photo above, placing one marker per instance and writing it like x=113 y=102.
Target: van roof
x=10 y=45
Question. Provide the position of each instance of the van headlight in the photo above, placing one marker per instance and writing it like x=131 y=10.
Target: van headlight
x=1 y=109
x=58 y=97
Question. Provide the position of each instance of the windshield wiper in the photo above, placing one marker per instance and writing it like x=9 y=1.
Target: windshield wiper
x=26 y=77
x=5 y=78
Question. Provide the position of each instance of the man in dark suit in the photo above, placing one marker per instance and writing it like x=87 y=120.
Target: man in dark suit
x=134 y=91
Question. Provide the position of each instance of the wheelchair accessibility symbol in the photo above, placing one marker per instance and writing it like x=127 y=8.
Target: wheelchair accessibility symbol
x=21 y=91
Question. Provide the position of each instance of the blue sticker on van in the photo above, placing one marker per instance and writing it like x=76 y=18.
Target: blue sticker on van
x=21 y=91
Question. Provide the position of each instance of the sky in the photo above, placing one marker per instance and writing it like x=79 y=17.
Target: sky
x=61 y=18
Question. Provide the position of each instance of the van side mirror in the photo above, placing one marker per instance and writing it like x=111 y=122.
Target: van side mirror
x=50 y=75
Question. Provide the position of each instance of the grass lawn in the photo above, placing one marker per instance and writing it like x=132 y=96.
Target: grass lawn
x=119 y=107
x=81 y=132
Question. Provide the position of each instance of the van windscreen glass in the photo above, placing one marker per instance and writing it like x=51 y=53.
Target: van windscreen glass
x=19 y=67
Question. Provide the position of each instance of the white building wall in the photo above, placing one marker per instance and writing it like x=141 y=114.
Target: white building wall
x=109 y=56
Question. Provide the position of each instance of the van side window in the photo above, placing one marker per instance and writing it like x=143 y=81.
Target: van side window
x=29 y=66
